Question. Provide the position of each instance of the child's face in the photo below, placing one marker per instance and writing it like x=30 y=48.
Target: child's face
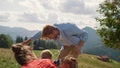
x=46 y=54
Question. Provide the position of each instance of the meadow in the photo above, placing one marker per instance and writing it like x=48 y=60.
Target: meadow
x=7 y=60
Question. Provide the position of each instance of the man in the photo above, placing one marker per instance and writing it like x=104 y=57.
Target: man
x=68 y=36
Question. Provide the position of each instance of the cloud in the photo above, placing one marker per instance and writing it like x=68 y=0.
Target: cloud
x=10 y=5
x=29 y=17
x=46 y=4
x=30 y=5
x=52 y=18
x=4 y=18
x=66 y=6
x=50 y=4
x=34 y=18
x=80 y=12
x=75 y=7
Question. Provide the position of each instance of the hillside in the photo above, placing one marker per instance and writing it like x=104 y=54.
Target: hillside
x=91 y=61
x=95 y=46
x=7 y=60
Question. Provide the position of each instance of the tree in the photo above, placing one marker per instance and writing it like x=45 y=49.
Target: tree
x=5 y=41
x=109 y=29
x=25 y=38
x=19 y=39
x=45 y=44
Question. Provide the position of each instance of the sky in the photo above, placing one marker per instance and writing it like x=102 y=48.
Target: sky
x=35 y=14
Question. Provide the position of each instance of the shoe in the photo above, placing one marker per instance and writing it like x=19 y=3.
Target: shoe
x=57 y=62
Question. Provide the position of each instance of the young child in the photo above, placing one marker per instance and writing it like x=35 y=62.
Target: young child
x=46 y=54
x=26 y=58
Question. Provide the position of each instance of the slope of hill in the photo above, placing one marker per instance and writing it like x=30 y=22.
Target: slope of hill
x=7 y=60
x=91 y=61
x=95 y=46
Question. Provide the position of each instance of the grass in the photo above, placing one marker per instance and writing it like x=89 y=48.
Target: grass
x=7 y=60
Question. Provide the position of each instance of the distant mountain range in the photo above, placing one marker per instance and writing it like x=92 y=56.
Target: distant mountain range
x=93 y=45
x=14 y=32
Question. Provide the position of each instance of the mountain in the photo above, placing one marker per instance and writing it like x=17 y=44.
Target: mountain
x=93 y=38
x=14 y=32
x=94 y=45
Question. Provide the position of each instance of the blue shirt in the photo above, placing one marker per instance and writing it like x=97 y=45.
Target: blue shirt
x=70 y=33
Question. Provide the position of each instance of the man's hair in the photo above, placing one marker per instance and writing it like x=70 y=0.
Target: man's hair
x=71 y=61
x=46 y=54
x=47 y=30
x=20 y=53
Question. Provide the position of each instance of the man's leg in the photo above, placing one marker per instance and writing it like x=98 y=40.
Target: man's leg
x=76 y=50
x=64 y=52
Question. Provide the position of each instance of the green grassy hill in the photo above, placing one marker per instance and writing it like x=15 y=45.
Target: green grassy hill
x=91 y=61
x=85 y=60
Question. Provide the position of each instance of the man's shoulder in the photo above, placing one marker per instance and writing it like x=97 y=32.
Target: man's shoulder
x=64 y=26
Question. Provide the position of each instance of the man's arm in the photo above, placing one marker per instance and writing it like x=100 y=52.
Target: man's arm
x=36 y=36
x=26 y=42
x=80 y=45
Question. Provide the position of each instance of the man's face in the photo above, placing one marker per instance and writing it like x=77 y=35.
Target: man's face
x=54 y=35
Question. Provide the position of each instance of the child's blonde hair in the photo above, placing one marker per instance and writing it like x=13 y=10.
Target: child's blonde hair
x=46 y=54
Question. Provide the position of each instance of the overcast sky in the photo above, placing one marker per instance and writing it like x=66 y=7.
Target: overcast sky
x=35 y=14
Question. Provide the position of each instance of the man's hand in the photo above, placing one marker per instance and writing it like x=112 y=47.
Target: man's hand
x=80 y=45
x=26 y=42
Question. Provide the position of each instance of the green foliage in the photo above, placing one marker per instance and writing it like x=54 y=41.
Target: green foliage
x=5 y=41
x=109 y=29
x=19 y=39
x=26 y=38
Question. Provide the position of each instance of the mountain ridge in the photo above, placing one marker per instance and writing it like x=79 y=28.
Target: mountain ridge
x=17 y=31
